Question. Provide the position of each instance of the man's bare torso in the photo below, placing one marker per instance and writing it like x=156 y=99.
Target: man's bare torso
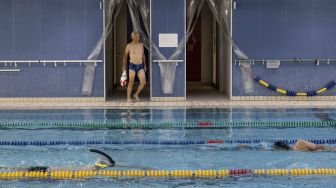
x=135 y=52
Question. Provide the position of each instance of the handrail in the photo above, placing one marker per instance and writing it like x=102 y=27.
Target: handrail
x=44 y=62
x=167 y=61
x=10 y=70
x=51 y=61
x=317 y=61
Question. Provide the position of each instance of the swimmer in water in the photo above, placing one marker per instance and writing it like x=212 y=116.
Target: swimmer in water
x=104 y=161
x=303 y=145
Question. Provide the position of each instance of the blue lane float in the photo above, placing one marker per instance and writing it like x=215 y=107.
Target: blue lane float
x=158 y=142
x=272 y=87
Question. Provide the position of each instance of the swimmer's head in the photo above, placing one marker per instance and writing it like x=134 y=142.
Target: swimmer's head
x=103 y=163
x=281 y=145
x=135 y=36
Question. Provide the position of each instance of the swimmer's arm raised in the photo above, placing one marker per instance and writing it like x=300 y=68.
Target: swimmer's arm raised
x=125 y=58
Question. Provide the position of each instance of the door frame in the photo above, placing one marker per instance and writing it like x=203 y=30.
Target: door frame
x=102 y=5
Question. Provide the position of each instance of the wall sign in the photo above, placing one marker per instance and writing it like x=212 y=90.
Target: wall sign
x=168 y=40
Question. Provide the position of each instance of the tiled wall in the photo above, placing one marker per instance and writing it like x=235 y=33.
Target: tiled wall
x=49 y=30
x=168 y=16
x=283 y=98
x=284 y=29
x=52 y=99
x=168 y=99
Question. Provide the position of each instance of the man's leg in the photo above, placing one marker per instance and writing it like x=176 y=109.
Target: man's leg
x=130 y=84
x=142 y=78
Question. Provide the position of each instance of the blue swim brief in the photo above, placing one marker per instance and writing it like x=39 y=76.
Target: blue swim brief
x=135 y=67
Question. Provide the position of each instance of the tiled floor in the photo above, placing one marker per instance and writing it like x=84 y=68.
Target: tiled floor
x=196 y=98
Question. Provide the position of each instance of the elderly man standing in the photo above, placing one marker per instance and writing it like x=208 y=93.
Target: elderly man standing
x=136 y=65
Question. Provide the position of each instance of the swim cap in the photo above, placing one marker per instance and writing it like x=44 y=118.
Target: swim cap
x=281 y=145
x=102 y=163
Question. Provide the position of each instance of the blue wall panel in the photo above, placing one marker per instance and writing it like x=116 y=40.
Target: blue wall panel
x=49 y=30
x=47 y=81
x=55 y=29
x=168 y=16
x=273 y=29
x=26 y=29
x=6 y=25
x=76 y=43
x=93 y=21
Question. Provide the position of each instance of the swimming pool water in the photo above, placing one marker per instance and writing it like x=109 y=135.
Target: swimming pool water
x=214 y=156
x=166 y=115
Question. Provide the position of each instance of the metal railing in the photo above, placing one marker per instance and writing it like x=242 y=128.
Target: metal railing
x=10 y=70
x=294 y=60
x=44 y=62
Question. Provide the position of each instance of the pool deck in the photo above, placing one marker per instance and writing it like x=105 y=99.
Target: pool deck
x=184 y=104
x=205 y=98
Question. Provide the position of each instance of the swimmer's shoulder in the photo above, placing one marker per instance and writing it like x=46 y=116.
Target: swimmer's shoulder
x=305 y=142
x=299 y=145
x=304 y=145
x=300 y=142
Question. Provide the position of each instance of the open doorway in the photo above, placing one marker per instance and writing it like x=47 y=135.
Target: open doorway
x=115 y=45
x=207 y=62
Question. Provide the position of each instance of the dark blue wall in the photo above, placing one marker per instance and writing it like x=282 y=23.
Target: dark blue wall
x=49 y=30
x=282 y=29
x=168 y=16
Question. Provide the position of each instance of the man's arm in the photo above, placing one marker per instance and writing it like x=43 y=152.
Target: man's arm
x=125 y=58
x=144 y=58
x=326 y=148
x=315 y=147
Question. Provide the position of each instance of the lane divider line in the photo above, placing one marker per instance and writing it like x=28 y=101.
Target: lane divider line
x=67 y=174
x=158 y=142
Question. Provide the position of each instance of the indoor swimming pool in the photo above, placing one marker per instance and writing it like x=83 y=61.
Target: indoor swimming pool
x=190 y=142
